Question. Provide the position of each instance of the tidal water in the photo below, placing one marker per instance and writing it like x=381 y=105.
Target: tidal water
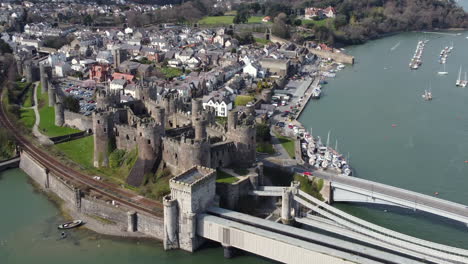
x=28 y=234
x=376 y=112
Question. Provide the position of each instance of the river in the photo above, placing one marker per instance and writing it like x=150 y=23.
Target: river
x=376 y=112
x=28 y=234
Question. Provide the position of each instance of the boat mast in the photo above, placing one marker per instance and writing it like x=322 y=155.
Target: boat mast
x=336 y=145
x=328 y=138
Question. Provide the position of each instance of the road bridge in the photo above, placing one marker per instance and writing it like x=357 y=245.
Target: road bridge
x=9 y=163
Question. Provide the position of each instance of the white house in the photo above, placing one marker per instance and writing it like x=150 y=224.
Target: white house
x=253 y=70
x=118 y=85
x=219 y=101
x=62 y=69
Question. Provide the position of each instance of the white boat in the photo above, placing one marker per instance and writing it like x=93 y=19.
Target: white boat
x=443 y=72
x=316 y=93
x=458 y=82
x=464 y=83
x=325 y=164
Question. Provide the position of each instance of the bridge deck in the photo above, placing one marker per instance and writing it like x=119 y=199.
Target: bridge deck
x=404 y=197
x=339 y=246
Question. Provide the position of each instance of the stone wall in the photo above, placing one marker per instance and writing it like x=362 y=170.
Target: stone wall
x=230 y=194
x=78 y=121
x=145 y=224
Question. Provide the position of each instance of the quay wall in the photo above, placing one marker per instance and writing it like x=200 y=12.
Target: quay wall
x=87 y=206
x=338 y=57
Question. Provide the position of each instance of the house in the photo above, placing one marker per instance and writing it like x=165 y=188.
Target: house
x=253 y=70
x=99 y=73
x=312 y=12
x=122 y=76
x=276 y=67
x=118 y=85
x=62 y=69
x=220 y=101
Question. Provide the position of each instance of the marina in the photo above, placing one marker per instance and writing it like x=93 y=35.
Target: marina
x=416 y=61
x=369 y=108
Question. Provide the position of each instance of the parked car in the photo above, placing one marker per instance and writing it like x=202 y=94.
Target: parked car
x=307 y=173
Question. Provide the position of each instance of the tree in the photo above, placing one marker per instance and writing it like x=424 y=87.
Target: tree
x=71 y=103
x=263 y=132
x=241 y=17
x=4 y=47
x=280 y=28
x=87 y=20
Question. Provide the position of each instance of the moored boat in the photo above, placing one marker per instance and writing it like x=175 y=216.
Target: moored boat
x=69 y=225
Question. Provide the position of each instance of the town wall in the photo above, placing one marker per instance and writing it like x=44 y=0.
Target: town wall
x=230 y=194
x=78 y=121
x=87 y=205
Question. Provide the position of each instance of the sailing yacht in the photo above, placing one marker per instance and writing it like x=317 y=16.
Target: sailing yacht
x=459 y=81
x=443 y=72
x=464 y=83
x=427 y=96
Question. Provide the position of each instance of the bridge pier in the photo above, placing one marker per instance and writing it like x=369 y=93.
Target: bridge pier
x=229 y=252
x=131 y=221
x=286 y=207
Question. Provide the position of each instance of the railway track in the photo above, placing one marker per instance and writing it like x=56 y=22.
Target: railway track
x=114 y=192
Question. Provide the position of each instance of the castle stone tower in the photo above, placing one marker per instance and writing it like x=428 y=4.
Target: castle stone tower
x=200 y=129
x=243 y=134
x=159 y=115
x=44 y=76
x=105 y=99
x=192 y=192
x=28 y=71
x=59 y=114
x=19 y=64
x=103 y=133
x=148 y=141
x=267 y=95
x=52 y=95
x=197 y=109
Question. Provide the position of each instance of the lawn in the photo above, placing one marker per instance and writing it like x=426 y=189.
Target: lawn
x=265 y=147
x=242 y=100
x=288 y=144
x=312 y=187
x=47 y=113
x=328 y=22
x=223 y=20
x=262 y=41
x=170 y=72
x=27 y=117
x=79 y=150
x=28 y=97
x=223 y=177
x=47 y=123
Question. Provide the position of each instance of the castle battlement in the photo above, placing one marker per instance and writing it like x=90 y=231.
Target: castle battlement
x=192 y=178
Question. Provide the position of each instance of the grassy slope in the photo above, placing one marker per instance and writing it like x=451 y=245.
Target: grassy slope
x=27 y=117
x=220 y=20
x=288 y=144
x=47 y=113
x=79 y=150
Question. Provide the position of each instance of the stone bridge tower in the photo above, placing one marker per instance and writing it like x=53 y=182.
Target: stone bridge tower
x=192 y=192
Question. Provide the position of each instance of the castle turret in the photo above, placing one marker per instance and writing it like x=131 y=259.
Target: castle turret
x=19 y=64
x=232 y=120
x=102 y=127
x=44 y=76
x=59 y=114
x=52 y=95
x=200 y=129
x=160 y=117
x=148 y=141
x=267 y=95
x=28 y=71
x=197 y=108
x=105 y=99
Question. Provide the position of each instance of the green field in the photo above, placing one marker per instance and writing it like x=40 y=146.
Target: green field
x=47 y=113
x=242 y=100
x=287 y=143
x=262 y=41
x=265 y=147
x=226 y=20
x=28 y=97
x=79 y=150
x=47 y=123
x=27 y=118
